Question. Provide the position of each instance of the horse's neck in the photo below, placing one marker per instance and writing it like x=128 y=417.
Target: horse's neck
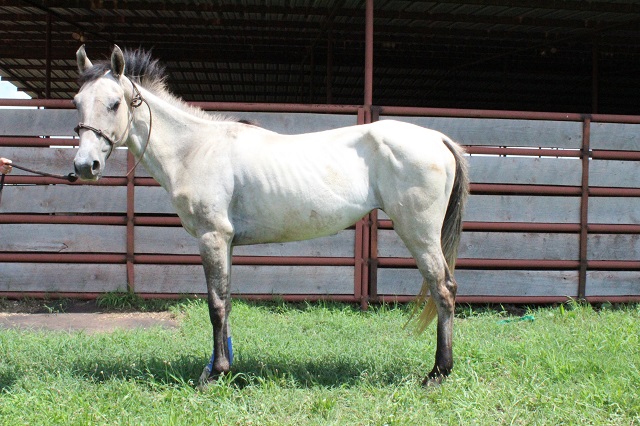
x=159 y=137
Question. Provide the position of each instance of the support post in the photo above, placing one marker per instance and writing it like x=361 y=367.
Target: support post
x=584 y=209
x=47 y=71
x=368 y=229
x=329 y=85
x=368 y=61
x=594 y=79
x=131 y=161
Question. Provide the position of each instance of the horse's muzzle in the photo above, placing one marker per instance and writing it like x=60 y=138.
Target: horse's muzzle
x=87 y=169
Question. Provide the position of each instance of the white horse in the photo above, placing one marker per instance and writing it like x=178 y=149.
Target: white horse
x=234 y=183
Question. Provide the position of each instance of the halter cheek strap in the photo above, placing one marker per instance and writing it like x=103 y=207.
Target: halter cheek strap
x=136 y=101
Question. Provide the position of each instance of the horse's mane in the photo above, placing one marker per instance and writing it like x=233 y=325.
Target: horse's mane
x=149 y=73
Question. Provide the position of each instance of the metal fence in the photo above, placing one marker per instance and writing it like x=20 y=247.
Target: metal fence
x=553 y=214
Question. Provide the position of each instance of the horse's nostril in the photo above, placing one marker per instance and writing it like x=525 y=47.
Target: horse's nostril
x=95 y=167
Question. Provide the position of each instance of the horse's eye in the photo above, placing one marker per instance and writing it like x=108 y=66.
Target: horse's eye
x=114 y=107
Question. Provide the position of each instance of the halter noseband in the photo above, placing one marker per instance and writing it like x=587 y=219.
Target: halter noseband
x=136 y=101
x=102 y=134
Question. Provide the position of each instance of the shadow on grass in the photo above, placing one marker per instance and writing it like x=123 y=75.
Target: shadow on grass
x=250 y=371
x=326 y=373
x=153 y=371
x=7 y=381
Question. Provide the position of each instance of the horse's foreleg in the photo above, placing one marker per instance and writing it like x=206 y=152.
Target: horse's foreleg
x=444 y=295
x=215 y=251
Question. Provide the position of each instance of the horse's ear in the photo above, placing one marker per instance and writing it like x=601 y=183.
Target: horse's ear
x=83 y=62
x=117 y=62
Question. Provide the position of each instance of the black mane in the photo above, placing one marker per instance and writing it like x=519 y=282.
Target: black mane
x=139 y=66
x=142 y=69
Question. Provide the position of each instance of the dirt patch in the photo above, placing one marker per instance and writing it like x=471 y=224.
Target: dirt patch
x=76 y=315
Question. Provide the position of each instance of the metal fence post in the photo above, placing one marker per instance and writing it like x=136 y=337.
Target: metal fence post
x=584 y=208
x=131 y=161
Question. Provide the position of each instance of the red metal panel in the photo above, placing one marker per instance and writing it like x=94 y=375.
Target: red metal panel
x=478 y=113
x=538 y=300
x=532 y=152
x=509 y=189
x=368 y=57
x=364 y=261
x=46 y=103
x=157 y=221
x=366 y=257
x=614 y=265
x=615 y=155
x=284 y=108
x=175 y=259
x=633 y=298
x=72 y=219
x=397 y=262
x=613 y=229
x=521 y=227
x=63 y=257
x=36 y=142
x=39 y=180
x=358 y=280
x=614 y=192
x=373 y=254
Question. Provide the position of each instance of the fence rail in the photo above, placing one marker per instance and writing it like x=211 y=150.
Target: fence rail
x=554 y=213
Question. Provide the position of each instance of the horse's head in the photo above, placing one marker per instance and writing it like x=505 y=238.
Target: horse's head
x=104 y=113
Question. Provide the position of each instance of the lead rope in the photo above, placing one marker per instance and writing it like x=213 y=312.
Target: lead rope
x=71 y=177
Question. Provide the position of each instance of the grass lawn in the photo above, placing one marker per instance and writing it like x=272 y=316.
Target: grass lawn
x=324 y=364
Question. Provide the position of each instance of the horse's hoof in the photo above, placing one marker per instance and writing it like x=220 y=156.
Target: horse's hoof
x=430 y=382
x=205 y=378
x=436 y=377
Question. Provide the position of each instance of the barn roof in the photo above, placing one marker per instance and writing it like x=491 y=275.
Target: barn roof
x=540 y=55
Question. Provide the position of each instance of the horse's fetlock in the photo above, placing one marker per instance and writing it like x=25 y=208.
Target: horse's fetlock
x=221 y=366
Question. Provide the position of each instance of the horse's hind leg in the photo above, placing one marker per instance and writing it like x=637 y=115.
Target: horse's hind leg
x=443 y=293
x=215 y=251
x=427 y=251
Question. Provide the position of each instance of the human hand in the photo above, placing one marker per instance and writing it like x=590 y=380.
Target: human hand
x=5 y=166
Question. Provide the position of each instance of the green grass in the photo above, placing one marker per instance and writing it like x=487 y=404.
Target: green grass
x=125 y=301
x=326 y=364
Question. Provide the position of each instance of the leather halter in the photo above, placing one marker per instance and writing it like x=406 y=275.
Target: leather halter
x=136 y=101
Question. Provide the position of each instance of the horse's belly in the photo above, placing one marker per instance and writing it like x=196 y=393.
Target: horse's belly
x=294 y=224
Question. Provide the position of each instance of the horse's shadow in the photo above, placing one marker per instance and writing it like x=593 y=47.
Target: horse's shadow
x=246 y=371
x=7 y=379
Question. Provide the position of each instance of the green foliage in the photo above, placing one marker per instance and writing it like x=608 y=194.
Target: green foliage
x=332 y=364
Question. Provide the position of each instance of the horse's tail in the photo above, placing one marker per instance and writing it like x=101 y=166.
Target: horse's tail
x=450 y=234
x=452 y=224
